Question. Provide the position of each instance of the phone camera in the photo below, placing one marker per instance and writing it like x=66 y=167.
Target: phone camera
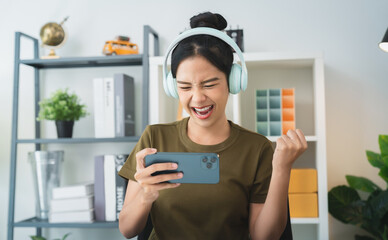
x=204 y=159
x=213 y=160
x=209 y=165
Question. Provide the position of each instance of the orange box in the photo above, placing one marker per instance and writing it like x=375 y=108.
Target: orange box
x=303 y=181
x=288 y=102
x=287 y=126
x=303 y=205
x=288 y=91
x=288 y=114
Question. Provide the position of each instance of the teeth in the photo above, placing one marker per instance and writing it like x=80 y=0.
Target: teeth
x=202 y=109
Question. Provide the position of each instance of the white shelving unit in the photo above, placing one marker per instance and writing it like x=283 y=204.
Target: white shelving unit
x=305 y=73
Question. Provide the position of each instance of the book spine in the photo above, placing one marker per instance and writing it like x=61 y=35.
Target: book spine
x=71 y=204
x=129 y=105
x=72 y=191
x=124 y=105
x=71 y=217
x=121 y=183
x=109 y=187
x=109 y=110
x=98 y=97
x=99 y=189
x=119 y=104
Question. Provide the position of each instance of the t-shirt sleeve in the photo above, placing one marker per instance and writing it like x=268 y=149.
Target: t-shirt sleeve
x=260 y=185
x=129 y=168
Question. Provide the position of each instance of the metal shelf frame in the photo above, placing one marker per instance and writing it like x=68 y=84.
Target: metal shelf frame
x=74 y=62
x=36 y=223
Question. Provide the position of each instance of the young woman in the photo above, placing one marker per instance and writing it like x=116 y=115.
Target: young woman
x=250 y=201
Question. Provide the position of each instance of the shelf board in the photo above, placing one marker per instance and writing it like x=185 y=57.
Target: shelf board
x=80 y=140
x=34 y=222
x=308 y=138
x=79 y=62
x=304 y=220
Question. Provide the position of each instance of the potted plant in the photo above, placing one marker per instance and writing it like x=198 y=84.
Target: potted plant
x=369 y=212
x=64 y=109
x=42 y=238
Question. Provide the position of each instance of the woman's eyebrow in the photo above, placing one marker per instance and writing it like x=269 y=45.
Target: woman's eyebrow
x=210 y=80
x=182 y=82
x=203 y=82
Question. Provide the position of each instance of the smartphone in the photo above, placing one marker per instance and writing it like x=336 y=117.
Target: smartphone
x=196 y=167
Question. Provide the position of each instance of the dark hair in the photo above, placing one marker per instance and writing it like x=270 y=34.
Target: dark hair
x=215 y=50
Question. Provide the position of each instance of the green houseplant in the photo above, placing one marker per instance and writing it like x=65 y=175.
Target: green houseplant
x=369 y=212
x=64 y=108
x=42 y=238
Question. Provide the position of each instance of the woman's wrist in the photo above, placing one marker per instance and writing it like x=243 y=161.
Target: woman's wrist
x=146 y=200
x=281 y=167
x=281 y=171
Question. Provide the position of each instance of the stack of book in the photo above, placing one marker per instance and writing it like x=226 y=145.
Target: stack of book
x=114 y=107
x=72 y=204
x=302 y=193
x=109 y=187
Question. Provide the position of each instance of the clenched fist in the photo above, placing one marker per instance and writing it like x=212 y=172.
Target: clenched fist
x=288 y=148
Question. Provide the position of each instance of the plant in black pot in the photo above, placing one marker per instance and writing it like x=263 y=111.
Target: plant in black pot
x=363 y=203
x=64 y=108
x=43 y=238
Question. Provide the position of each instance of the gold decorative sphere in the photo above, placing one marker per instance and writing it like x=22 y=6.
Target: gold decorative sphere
x=52 y=34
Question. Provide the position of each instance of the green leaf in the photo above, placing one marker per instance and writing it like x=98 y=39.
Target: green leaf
x=37 y=238
x=345 y=204
x=375 y=213
x=384 y=173
x=385 y=234
x=383 y=142
x=385 y=161
x=361 y=183
x=358 y=237
x=375 y=159
x=380 y=204
x=66 y=235
x=62 y=106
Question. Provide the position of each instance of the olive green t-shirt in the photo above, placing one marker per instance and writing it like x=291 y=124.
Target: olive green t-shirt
x=208 y=211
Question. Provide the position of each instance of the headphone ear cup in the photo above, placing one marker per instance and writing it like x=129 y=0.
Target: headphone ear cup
x=244 y=80
x=165 y=84
x=171 y=86
x=235 y=79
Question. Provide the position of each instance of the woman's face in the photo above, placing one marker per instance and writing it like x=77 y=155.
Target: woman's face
x=202 y=90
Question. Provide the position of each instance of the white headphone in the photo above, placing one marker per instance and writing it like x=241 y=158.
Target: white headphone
x=238 y=78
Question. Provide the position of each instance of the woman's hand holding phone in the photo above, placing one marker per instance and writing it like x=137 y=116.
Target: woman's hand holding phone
x=151 y=185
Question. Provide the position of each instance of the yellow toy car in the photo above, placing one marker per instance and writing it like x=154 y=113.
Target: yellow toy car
x=120 y=46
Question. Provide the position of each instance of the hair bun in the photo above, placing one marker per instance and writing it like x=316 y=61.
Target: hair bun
x=208 y=19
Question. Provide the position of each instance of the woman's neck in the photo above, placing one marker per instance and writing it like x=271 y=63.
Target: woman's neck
x=212 y=135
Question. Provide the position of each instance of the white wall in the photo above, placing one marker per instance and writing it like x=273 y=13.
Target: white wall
x=346 y=31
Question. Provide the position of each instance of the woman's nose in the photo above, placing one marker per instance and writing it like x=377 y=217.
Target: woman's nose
x=198 y=95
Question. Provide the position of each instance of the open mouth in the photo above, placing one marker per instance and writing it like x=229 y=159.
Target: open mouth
x=203 y=112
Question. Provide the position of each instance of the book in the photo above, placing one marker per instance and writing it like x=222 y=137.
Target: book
x=99 y=189
x=114 y=186
x=73 y=191
x=72 y=217
x=109 y=109
x=98 y=98
x=109 y=187
x=114 y=108
x=121 y=183
x=124 y=105
x=72 y=204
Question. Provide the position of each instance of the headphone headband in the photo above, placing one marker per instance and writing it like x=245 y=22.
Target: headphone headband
x=212 y=32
